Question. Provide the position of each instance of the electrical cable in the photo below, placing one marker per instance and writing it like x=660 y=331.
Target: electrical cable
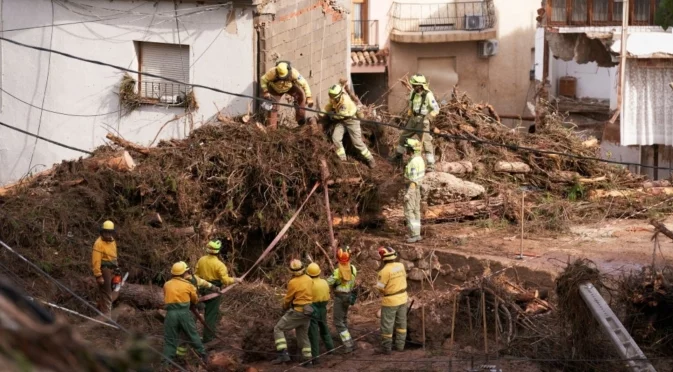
x=86 y=303
x=241 y=95
x=46 y=85
x=57 y=112
x=45 y=139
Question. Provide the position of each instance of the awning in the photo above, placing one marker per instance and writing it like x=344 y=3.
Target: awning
x=368 y=69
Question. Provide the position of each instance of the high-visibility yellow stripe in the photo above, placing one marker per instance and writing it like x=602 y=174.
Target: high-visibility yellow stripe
x=400 y=330
x=341 y=151
x=281 y=344
x=181 y=351
x=387 y=335
x=306 y=351
x=345 y=335
x=366 y=153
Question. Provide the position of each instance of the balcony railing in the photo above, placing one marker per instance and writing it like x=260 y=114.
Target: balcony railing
x=163 y=93
x=600 y=12
x=364 y=34
x=463 y=16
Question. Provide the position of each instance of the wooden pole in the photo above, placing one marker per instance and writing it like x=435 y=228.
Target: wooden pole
x=469 y=312
x=523 y=211
x=325 y=176
x=423 y=312
x=483 y=313
x=453 y=321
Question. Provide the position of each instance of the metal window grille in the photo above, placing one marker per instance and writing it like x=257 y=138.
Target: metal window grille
x=169 y=60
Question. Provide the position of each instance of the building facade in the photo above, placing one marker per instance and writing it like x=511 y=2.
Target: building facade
x=583 y=51
x=220 y=44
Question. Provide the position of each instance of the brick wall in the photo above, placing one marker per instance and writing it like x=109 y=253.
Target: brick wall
x=313 y=35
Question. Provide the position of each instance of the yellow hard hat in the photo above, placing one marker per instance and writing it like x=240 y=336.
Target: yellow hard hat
x=179 y=268
x=335 y=91
x=108 y=225
x=282 y=69
x=418 y=79
x=297 y=267
x=313 y=269
x=387 y=253
x=413 y=144
x=214 y=246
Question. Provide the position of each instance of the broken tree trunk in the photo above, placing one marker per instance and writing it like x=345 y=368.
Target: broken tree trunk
x=453 y=211
x=121 y=162
x=628 y=193
x=456 y=167
x=441 y=188
x=127 y=144
x=511 y=167
x=142 y=296
x=660 y=227
x=24 y=181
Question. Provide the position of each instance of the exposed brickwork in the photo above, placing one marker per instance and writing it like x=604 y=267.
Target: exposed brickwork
x=313 y=36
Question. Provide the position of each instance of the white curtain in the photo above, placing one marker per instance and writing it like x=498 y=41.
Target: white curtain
x=647 y=113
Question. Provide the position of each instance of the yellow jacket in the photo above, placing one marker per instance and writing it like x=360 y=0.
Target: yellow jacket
x=299 y=292
x=199 y=283
x=415 y=169
x=210 y=268
x=420 y=105
x=392 y=284
x=320 y=290
x=280 y=86
x=103 y=253
x=342 y=109
x=179 y=293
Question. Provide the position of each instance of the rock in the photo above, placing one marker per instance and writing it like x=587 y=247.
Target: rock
x=423 y=264
x=416 y=274
x=373 y=264
x=412 y=253
x=461 y=273
x=378 y=313
x=364 y=345
x=436 y=265
x=446 y=269
x=441 y=188
x=408 y=265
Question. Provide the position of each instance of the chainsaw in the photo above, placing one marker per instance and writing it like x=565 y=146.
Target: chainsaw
x=118 y=281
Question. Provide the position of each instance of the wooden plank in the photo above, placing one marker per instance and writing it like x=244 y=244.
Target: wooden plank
x=569 y=11
x=590 y=12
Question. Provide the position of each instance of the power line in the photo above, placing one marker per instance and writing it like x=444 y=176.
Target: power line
x=85 y=302
x=57 y=112
x=46 y=139
x=241 y=95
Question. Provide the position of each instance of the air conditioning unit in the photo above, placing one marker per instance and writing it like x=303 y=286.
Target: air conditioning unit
x=475 y=22
x=487 y=48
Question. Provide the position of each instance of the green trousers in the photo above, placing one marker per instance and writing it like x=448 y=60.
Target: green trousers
x=393 y=316
x=180 y=320
x=353 y=128
x=342 y=301
x=293 y=319
x=319 y=329
x=212 y=315
x=412 y=209
x=414 y=124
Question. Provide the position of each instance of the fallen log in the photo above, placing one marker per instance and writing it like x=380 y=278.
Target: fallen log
x=591 y=142
x=24 y=181
x=511 y=167
x=456 y=211
x=439 y=188
x=660 y=227
x=122 y=162
x=628 y=193
x=142 y=296
x=127 y=144
x=348 y=181
x=189 y=230
x=456 y=167
x=345 y=221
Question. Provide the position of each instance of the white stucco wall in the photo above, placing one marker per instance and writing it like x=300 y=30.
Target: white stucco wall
x=378 y=10
x=592 y=81
x=221 y=56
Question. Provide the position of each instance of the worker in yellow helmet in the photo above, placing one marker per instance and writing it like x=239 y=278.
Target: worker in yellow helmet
x=423 y=109
x=343 y=112
x=297 y=304
x=284 y=79
x=413 y=175
x=201 y=286
x=343 y=282
x=392 y=284
x=318 y=328
x=213 y=270
x=179 y=295
x=104 y=265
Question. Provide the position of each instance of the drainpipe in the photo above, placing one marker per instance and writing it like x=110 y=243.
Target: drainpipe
x=622 y=72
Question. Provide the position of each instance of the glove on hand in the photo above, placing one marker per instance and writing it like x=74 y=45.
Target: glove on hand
x=100 y=280
x=309 y=102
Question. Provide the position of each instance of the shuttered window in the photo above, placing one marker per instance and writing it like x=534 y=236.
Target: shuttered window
x=169 y=60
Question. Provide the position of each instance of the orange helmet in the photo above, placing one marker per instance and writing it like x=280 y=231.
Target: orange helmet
x=344 y=255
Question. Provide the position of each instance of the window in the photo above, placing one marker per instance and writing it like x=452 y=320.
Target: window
x=359 y=33
x=168 y=60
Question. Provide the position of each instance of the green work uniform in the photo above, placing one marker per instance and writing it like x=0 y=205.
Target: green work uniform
x=179 y=294
x=342 y=301
x=414 y=173
x=319 y=329
x=298 y=321
x=211 y=269
x=344 y=113
x=394 y=316
x=422 y=107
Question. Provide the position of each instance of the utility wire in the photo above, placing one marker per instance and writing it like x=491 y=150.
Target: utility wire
x=241 y=95
x=46 y=139
x=85 y=302
x=57 y=112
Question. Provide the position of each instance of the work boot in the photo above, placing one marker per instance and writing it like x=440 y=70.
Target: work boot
x=283 y=357
x=308 y=363
x=371 y=163
x=382 y=351
x=346 y=350
x=414 y=239
x=430 y=168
